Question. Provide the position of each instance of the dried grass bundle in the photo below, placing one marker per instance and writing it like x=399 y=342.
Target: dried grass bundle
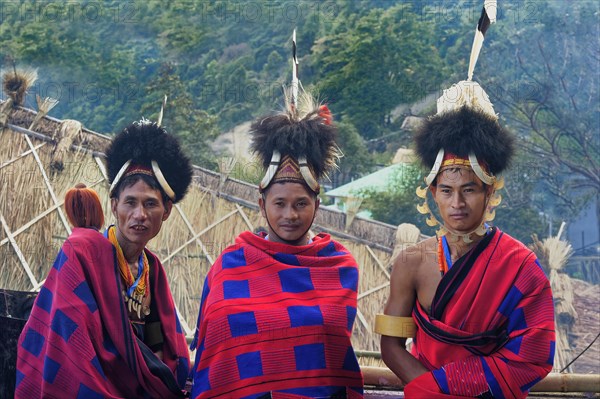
x=17 y=82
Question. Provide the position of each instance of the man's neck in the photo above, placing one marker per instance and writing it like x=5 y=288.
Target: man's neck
x=132 y=254
x=131 y=251
x=459 y=247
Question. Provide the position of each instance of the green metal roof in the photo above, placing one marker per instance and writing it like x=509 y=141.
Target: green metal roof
x=377 y=181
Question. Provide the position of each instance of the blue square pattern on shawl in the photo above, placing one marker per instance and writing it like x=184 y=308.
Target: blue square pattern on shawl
x=97 y=366
x=528 y=386
x=20 y=377
x=51 y=368
x=310 y=356
x=349 y=277
x=351 y=315
x=510 y=302
x=330 y=250
x=296 y=280
x=249 y=365
x=514 y=345
x=350 y=362
x=550 y=360
x=233 y=289
x=44 y=299
x=288 y=259
x=109 y=346
x=61 y=258
x=86 y=392
x=441 y=379
x=63 y=325
x=201 y=381
x=233 y=259
x=177 y=323
x=241 y=324
x=85 y=294
x=491 y=380
x=516 y=320
x=33 y=342
x=305 y=316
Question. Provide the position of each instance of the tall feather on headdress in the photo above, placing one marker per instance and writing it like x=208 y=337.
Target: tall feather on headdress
x=488 y=17
x=295 y=80
x=303 y=131
x=467 y=92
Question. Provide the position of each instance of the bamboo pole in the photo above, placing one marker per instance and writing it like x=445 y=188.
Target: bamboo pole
x=17 y=250
x=378 y=262
x=554 y=382
x=23 y=155
x=48 y=184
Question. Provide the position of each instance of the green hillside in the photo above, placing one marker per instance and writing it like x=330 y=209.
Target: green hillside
x=222 y=63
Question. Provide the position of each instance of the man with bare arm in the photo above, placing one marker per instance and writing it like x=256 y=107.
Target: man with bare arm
x=477 y=301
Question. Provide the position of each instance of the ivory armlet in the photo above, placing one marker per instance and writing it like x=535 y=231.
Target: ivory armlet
x=394 y=326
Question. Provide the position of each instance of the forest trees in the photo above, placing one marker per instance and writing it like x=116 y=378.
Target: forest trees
x=223 y=63
x=195 y=128
x=546 y=86
x=370 y=64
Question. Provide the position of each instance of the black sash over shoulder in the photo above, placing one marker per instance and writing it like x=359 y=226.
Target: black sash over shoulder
x=447 y=288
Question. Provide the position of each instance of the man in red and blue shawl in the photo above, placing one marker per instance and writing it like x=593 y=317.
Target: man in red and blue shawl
x=481 y=305
x=482 y=311
x=278 y=307
x=104 y=324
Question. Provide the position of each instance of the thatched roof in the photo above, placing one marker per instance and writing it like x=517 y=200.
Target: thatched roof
x=33 y=224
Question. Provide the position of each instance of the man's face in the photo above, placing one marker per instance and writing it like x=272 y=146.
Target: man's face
x=461 y=198
x=290 y=209
x=139 y=211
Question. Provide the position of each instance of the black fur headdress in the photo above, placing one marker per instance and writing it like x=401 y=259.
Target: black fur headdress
x=462 y=132
x=301 y=133
x=142 y=144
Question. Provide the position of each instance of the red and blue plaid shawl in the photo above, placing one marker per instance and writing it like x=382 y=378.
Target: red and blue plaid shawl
x=491 y=329
x=275 y=322
x=78 y=342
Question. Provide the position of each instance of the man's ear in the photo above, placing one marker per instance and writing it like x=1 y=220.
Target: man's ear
x=113 y=206
x=433 y=189
x=317 y=203
x=261 y=205
x=168 y=209
x=489 y=192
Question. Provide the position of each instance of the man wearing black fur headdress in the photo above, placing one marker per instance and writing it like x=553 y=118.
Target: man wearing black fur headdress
x=104 y=324
x=278 y=307
x=481 y=306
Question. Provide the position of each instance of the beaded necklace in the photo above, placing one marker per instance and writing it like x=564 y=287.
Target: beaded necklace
x=136 y=288
x=443 y=252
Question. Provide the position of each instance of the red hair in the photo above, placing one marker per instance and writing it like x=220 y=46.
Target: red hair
x=83 y=207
